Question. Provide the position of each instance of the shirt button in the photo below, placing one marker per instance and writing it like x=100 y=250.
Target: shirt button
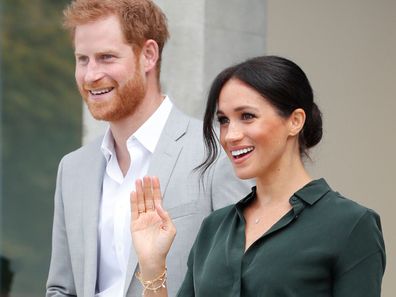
x=294 y=199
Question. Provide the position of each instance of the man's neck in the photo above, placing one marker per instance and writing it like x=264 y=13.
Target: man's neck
x=124 y=128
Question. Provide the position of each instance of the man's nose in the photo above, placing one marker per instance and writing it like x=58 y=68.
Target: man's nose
x=93 y=72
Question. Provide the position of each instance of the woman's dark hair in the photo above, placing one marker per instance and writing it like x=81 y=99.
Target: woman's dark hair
x=282 y=83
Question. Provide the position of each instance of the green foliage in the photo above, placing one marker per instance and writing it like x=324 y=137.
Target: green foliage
x=41 y=121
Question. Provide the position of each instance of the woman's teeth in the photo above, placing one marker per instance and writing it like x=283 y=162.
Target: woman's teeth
x=241 y=152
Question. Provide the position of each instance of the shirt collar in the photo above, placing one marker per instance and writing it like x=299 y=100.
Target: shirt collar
x=148 y=134
x=313 y=191
x=107 y=146
x=310 y=194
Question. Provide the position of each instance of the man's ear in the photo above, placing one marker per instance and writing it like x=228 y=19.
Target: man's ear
x=150 y=55
x=296 y=121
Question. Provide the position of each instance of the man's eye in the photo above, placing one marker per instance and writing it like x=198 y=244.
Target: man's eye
x=222 y=120
x=107 y=57
x=82 y=59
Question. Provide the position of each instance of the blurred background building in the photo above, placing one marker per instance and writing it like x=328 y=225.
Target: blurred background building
x=347 y=49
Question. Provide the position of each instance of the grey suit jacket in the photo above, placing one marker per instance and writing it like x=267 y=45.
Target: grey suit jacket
x=73 y=267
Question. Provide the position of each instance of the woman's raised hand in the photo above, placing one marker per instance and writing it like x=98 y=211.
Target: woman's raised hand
x=151 y=227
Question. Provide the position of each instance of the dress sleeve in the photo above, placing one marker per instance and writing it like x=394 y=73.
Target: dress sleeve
x=361 y=264
x=187 y=287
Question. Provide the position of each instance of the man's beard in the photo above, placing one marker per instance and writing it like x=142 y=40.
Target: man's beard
x=122 y=104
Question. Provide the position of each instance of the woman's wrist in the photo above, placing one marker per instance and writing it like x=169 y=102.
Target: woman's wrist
x=151 y=269
x=153 y=284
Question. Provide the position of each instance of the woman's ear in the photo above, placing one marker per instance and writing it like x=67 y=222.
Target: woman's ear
x=296 y=121
x=150 y=54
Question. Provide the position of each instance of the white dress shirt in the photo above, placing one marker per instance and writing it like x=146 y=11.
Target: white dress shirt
x=114 y=217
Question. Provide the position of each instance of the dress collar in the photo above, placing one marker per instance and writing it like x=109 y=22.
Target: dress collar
x=310 y=194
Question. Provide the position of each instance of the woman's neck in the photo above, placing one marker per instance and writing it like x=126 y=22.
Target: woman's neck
x=279 y=185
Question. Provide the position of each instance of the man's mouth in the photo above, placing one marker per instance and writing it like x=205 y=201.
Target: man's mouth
x=236 y=154
x=100 y=91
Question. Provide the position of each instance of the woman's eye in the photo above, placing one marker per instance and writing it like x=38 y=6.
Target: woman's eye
x=248 y=116
x=222 y=120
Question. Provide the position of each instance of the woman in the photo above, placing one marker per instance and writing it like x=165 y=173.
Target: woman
x=292 y=236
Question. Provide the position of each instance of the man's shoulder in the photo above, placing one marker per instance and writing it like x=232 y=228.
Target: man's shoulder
x=85 y=152
x=182 y=117
x=195 y=127
x=183 y=128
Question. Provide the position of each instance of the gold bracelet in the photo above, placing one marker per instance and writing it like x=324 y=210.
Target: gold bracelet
x=155 y=284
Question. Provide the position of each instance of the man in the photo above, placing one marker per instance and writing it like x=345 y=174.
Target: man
x=118 y=45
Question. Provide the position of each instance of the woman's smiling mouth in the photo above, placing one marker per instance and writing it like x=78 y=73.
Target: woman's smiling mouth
x=236 y=154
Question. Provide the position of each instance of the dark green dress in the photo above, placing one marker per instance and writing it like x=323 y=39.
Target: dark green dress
x=326 y=245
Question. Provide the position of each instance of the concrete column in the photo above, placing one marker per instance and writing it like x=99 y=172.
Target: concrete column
x=206 y=37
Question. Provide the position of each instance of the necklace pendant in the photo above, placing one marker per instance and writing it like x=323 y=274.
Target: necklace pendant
x=256 y=221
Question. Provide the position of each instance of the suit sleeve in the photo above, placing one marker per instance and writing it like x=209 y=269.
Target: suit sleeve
x=226 y=187
x=361 y=264
x=60 y=279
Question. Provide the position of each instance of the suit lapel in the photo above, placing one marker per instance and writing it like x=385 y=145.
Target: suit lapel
x=162 y=164
x=168 y=148
x=92 y=175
